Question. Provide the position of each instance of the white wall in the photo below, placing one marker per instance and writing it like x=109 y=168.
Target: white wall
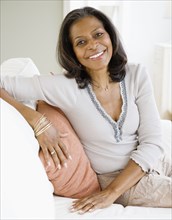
x=144 y=25
x=146 y=32
x=30 y=29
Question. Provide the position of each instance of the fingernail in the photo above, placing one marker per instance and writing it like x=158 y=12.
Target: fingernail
x=46 y=168
x=70 y=157
x=63 y=134
x=48 y=163
x=72 y=209
x=65 y=164
x=59 y=166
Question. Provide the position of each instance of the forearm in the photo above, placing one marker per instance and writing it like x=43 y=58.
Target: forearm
x=126 y=179
x=29 y=114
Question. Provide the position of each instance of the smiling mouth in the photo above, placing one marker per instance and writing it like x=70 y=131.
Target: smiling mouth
x=96 y=55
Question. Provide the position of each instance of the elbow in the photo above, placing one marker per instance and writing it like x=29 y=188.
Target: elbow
x=147 y=156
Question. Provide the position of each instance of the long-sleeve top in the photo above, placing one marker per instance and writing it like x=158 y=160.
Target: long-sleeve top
x=108 y=144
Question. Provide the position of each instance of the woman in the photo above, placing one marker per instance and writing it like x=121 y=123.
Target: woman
x=111 y=106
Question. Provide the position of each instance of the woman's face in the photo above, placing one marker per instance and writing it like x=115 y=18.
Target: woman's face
x=91 y=43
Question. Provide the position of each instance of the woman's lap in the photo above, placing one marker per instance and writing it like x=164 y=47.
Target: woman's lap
x=153 y=190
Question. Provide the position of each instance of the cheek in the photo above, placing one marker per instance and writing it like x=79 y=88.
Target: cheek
x=110 y=50
x=109 y=44
x=78 y=54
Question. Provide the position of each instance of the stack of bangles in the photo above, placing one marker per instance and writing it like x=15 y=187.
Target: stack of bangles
x=41 y=125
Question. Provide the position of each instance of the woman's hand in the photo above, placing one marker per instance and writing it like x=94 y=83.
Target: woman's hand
x=127 y=178
x=51 y=144
x=49 y=138
x=98 y=200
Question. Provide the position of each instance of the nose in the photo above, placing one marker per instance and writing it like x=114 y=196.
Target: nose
x=92 y=45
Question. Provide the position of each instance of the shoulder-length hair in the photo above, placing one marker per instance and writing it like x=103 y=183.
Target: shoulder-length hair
x=66 y=55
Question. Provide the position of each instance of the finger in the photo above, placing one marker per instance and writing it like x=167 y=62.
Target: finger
x=62 y=135
x=86 y=208
x=55 y=158
x=79 y=204
x=46 y=155
x=82 y=201
x=96 y=204
x=60 y=156
x=64 y=150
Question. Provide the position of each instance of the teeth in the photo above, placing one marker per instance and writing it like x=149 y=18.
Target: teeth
x=97 y=55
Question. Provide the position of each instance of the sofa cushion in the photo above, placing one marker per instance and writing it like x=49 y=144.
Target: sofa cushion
x=78 y=179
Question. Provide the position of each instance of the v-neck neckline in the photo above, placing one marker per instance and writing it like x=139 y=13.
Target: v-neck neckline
x=117 y=125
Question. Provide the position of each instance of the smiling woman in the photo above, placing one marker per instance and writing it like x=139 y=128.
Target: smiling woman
x=110 y=104
x=86 y=36
x=91 y=43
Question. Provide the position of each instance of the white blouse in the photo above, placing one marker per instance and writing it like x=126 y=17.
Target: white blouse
x=108 y=144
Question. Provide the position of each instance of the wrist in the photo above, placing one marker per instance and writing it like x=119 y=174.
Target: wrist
x=41 y=125
x=34 y=119
x=31 y=115
x=113 y=192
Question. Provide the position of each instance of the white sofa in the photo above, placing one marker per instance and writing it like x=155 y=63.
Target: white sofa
x=26 y=192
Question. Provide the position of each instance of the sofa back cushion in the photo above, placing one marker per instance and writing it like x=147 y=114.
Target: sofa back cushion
x=78 y=179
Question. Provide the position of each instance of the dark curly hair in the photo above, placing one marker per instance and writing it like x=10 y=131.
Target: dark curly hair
x=66 y=55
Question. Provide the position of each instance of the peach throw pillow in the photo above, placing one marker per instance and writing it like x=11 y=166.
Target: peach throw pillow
x=78 y=179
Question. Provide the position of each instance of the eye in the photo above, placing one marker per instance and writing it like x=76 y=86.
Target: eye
x=99 y=34
x=80 y=43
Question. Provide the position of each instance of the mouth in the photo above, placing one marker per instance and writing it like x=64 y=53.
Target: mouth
x=98 y=55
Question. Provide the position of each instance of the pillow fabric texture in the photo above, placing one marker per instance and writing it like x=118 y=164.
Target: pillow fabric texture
x=78 y=179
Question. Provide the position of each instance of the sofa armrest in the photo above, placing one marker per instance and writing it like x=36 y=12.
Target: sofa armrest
x=26 y=192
